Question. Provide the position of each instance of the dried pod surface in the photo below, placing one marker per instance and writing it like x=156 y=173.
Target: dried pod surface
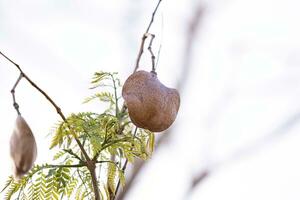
x=23 y=148
x=151 y=105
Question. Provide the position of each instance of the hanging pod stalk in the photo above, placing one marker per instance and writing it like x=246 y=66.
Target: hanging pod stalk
x=23 y=149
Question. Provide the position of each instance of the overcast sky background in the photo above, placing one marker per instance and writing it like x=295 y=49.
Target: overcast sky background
x=244 y=86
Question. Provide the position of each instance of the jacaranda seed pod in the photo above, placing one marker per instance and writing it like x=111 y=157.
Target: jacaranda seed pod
x=23 y=149
x=151 y=105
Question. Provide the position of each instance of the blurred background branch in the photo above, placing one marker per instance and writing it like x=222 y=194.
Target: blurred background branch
x=247 y=150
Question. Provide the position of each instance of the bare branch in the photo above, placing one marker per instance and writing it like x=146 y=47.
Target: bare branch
x=151 y=52
x=140 y=53
x=199 y=178
x=153 y=15
x=65 y=166
x=145 y=35
x=58 y=110
x=69 y=151
x=15 y=104
x=12 y=62
x=90 y=164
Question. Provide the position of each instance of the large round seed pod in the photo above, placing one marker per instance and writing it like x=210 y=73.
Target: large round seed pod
x=151 y=105
x=23 y=149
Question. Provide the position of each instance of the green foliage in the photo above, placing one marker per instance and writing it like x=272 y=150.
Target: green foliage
x=109 y=138
x=111 y=177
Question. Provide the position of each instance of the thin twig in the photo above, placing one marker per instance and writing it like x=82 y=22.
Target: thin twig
x=69 y=151
x=145 y=35
x=153 y=15
x=151 y=52
x=158 y=55
x=162 y=37
x=15 y=104
x=65 y=166
x=140 y=53
x=12 y=62
x=108 y=161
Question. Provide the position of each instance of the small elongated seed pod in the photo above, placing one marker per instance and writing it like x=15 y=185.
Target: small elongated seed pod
x=23 y=149
x=151 y=105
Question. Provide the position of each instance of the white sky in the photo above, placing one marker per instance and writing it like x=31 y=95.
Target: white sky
x=244 y=85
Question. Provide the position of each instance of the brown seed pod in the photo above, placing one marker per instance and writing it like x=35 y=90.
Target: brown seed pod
x=151 y=105
x=23 y=148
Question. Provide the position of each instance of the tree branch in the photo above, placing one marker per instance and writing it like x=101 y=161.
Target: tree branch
x=65 y=166
x=145 y=35
x=92 y=169
x=60 y=113
x=153 y=15
x=58 y=109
